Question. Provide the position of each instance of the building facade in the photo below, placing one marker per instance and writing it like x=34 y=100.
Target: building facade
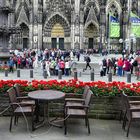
x=71 y=24
x=7 y=26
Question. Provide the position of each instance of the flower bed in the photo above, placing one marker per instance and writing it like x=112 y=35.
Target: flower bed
x=3 y=68
x=72 y=86
x=106 y=103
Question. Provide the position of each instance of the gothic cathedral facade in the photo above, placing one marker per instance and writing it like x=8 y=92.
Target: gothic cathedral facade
x=69 y=24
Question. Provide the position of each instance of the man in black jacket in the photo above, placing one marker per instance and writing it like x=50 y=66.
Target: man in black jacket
x=88 y=60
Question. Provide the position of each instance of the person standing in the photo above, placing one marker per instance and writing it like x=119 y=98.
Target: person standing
x=104 y=66
x=78 y=55
x=67 y=67
x=109 y=65
x=62 y=66
x=43 y=66
x=126 y=66
x=48 y=68
x=11 y=65
x=120 y=66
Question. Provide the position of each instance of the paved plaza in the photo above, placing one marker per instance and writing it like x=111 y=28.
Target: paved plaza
x=59 y=28
x=100 y=130
x=83 y=76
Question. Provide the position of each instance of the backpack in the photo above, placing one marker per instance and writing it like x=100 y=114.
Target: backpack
x=88 y=59
x=135 y=63
x=44 y=64
x=104 y=63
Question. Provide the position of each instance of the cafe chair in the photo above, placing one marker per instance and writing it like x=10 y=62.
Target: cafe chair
x=78 y=101
x=19 y=108
x=132 y=113
x=22 y=96
x=134 y=102
x=78 y=112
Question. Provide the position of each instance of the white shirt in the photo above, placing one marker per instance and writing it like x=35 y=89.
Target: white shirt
x=67 y=65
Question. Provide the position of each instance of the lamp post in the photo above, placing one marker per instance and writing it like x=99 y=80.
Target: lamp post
x=125 y=46
x=133 y=42
x=121 y=41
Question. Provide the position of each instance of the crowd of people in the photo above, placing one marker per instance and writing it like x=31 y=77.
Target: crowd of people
x=120 y=66
x=54 y=60
x=51 y=60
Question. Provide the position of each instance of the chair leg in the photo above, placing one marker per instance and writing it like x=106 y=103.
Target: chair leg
x=124 y=121
x=65 y=125
x=15 y=120
x=121 y=114
x=128 y=128
x=33 y=128
x=88 y=124
x=11 y=121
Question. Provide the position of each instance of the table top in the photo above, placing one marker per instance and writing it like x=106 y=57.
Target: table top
x=46 y=95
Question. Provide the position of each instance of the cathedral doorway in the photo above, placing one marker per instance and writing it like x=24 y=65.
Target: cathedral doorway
x=57 y=32
x=91 y=34
x=57 y=35
x=54 y=43
x=23 y=39
x=25 y=43
x=90 y=43
x=61 y=43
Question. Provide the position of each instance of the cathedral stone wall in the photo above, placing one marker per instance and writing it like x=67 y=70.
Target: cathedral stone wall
x=82 y=23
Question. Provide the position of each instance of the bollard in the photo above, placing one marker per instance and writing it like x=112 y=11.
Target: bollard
x=60 y=74
x=31 y=73
x=128 y=77
x=45 y=74
x=110 y=76
x=92 y=75
x=138 y=74
x=80 y=74
x=18 y=73
x=75 y=75
x=6 y=73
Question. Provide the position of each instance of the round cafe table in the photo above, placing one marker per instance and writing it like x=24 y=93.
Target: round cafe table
x=45 y=96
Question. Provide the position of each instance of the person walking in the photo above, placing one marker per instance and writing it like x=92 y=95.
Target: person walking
x=88 y=60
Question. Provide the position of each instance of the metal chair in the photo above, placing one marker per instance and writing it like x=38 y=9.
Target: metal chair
x=132 y=113
x=21 y=96
x=78 y=111
x=133 y=101
x=77 y=101
x=19 y=108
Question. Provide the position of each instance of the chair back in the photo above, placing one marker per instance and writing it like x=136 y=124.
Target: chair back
x=123 y=101
x=17 y=89
x=88 y=97
x=86 y=89
x=12 y=97
x=127 y=105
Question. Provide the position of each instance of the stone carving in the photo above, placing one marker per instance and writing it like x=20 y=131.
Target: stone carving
x=46 y=13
